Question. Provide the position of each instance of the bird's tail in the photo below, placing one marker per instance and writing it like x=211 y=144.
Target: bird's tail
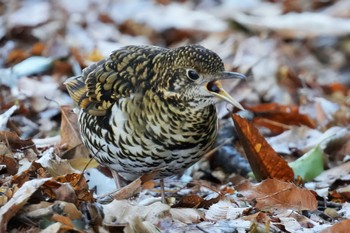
x=77 y=90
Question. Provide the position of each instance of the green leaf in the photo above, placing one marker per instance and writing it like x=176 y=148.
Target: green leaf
x=309 y=165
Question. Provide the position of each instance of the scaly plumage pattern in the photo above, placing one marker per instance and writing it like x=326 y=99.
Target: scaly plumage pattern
x=147 y=108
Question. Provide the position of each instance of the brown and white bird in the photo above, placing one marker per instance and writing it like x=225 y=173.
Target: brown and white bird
x=150 y=109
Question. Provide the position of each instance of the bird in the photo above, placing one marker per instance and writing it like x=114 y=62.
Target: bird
x=150 y=109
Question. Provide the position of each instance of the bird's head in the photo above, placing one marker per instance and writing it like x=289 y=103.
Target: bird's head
x=191 y=75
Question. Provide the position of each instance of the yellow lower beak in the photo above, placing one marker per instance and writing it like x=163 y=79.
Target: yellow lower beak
x=215 y=88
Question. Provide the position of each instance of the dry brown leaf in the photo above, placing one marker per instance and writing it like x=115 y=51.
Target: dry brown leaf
x=339 y=190
x=10 y=163
x=34 y=171
x=341 y=227
x=265 y=162
x=37 y=49
x=189 y=201
x=273 y=193
x=186 y=215
x=64 y=220
x=72 y=211
x=15 y=142
x=54 y=165
x=18 y=200
x=134 y=187
x=70 y=135
x=128 y=190
x=278 y=117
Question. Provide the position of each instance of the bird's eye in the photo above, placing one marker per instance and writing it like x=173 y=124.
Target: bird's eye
x=192 y=74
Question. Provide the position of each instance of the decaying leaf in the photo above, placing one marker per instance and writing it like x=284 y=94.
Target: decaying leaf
x=186 y=215
x=273 y=193
x=341 y=227
x=224 y=209
x=70 y=135
x=18 y=200
x=122 y=212
x=189 y=201
x=265 y=162
x=54 y=165
x=278 y=117
x=15 y=142
x=10 y=163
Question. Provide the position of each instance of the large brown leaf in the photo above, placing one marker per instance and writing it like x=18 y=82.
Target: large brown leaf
x=265 y=162
x=272 y=193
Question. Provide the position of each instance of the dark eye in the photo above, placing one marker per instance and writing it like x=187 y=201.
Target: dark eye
x=192 y=74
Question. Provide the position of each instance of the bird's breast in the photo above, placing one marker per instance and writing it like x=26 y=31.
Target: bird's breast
x=153 y=126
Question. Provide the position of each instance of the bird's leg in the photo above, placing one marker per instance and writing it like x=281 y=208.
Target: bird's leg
x=116 y=178
x=162 y=190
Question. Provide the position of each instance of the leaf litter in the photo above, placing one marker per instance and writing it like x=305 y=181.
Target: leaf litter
x=297 y=98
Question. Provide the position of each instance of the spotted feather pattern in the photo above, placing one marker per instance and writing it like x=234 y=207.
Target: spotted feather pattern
x=137 y=109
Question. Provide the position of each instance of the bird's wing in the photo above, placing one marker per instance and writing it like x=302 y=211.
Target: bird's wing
x=126 y=71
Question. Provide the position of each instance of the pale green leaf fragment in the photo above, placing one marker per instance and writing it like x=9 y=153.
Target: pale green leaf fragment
x=310 y=165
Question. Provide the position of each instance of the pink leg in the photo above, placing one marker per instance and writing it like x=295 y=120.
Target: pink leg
x=117 y=179
x=162 y=190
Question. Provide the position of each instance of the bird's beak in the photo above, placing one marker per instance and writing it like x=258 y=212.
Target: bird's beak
x=215 y=88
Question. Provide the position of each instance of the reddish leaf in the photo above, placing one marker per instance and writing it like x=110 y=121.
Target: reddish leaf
x=265 y=162
x=341 y=227
x=189 y=201
x=15 y=142
x=272 y=193
x=277 y=117
x=10 y=163
x=66 y=221
x=335 y=87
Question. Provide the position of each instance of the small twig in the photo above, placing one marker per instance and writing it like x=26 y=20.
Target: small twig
x=83 y=172
x=201 y=229
x=207 y=155
x=86 y=168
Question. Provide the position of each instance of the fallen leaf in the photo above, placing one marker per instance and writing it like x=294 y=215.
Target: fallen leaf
x=296 y=25
x=4 y=117
x=189 y=201
x=186 y=215
x=122 y=212
x=273 y=193
x=134 y=187
x=70 y=135
x=341 y=227
x=278 y=117
x=53 y=164
x=334 y=87
x=64 y=220
x=18 y=200
x=310 y=165
x=15 y=142
x=265 y=162
x=224 y=209
x=129 y=190
x=37 y=49
x=137 y=225
x=334 y=173
x=339 y=190
x=10 y=163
